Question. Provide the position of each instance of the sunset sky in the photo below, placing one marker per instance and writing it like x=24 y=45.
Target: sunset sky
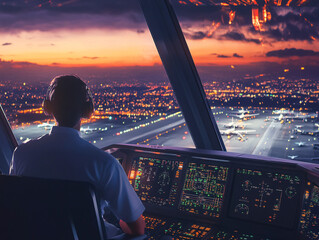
x=81 y=33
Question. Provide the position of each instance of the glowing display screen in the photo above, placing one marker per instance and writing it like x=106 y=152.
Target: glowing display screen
x=309 y=220
x=204 y=189
x=266 y=197
x=156 y=181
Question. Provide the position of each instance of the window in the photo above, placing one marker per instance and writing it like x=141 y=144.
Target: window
x=107 y=44
x=259 y=65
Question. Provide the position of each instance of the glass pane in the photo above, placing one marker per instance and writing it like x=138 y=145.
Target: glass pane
x=108 y=45
x=259 y=65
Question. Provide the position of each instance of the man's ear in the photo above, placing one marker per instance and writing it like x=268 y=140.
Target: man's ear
x=87 y=110
x=47 y=107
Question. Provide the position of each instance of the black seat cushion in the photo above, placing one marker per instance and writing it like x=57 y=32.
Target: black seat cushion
x=33 y=208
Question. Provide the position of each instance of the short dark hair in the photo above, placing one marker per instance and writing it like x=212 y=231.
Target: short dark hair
x=68 y=96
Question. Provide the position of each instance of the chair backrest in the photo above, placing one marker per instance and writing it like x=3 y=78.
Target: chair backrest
x=33 y=208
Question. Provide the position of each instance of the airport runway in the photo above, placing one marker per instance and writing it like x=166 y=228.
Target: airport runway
x=271 y=138
x=112 y=133
x=266 y=141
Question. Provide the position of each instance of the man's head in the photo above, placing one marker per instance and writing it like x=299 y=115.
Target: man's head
x=68 y=99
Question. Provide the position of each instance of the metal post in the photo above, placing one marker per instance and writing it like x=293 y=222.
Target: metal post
x=182 y=73
x=7 y=143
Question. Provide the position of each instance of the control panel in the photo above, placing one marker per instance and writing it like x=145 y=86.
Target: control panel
x=192 y=197
x=309 y=220
x=204 y=189
x=156 y=180
x=265 y=196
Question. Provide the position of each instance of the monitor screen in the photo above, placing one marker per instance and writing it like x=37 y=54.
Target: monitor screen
x=265 y=196
x=204 y=189
x=309 y=219
x=156 y=180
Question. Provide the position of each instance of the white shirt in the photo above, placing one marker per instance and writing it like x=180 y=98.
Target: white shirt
x=63 y=154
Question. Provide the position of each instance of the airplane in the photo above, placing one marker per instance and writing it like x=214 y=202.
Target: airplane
x=305 y=116
x=242 y=111
x=301 y=144
x=312 y=133
x=236 y=124
x=281 y=118
x=233 y=131
x=46 y=126
x=244 y=116
x=298 y=130
x=283 y=111
x=295 y=116
x=87 y=130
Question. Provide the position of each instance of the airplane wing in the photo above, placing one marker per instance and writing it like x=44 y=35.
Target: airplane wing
x=223 y=132
x=245 y=131
x=251 y=115
x=241 y=136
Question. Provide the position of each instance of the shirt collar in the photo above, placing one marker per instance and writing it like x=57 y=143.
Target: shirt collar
x=65 y=131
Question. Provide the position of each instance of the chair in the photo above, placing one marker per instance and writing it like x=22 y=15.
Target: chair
x=34 y=208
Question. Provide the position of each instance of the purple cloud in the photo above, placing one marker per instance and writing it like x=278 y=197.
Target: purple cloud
x=292 y=52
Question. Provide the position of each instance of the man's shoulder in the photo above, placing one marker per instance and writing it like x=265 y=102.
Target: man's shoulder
x=31 y=143
x=97 y=153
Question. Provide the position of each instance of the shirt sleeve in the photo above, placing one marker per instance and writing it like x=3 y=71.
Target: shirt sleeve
x=122 y=199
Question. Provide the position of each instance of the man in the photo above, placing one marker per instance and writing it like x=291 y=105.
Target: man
x=63 y=154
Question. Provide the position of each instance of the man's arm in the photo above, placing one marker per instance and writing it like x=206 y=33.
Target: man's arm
x=133 y=228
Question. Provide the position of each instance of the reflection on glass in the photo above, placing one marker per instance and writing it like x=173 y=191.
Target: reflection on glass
x=259 y=65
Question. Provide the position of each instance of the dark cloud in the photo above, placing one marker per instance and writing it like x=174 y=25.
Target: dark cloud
x=236 y=3
x=92 y=58
x=21 y=15
x=73 y=6
x=140 y=31
x=223 y=56
x=196 y=35
x=292 y=52
x=289 y=31
x=297 y=24
x=44 y=20
x=6 y=44
x=286 y=23
x=236 y=36
x=27 y=71
x=237 y=55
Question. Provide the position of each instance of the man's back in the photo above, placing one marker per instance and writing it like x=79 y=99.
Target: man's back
x=63 y=154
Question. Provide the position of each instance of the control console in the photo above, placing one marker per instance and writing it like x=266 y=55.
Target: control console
x=201 y=195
